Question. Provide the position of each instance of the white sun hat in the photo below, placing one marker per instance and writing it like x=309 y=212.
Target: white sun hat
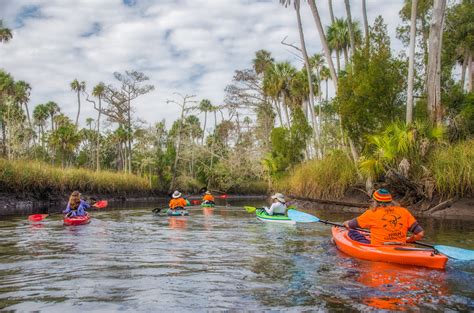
x=279 y=196
x=176 y=194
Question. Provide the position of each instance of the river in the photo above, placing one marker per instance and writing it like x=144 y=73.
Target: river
x=216 y=259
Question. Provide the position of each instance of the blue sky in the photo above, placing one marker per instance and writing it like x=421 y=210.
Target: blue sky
x=186 y=46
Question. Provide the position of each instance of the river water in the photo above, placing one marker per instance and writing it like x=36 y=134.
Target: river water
x=216 y=259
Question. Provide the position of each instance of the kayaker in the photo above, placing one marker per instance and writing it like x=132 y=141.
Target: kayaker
x=76 y=206
x=278 y=206
x=208 y=198
x=387 y=222
x=177 y=202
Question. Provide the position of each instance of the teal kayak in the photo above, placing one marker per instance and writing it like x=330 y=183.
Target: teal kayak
x=263 y=216
x=177 y=212
x=207 y=205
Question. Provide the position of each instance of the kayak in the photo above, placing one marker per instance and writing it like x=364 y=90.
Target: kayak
x=207 y=205
x=263 y=216
x=177 y=212
x=401 y=254
x=77 y=220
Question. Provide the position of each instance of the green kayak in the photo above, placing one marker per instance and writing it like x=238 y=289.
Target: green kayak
x=263 y=216
x=207 y=205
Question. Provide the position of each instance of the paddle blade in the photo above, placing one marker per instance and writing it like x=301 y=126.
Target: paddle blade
x=101 y=204
x=250 y=209
x=456 y=253
x=196 y=202
x=223 y=197
x=302 y=217
x=37 y=217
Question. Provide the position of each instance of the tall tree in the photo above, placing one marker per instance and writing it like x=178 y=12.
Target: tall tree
x=98 y=92
x=411 y=64
x=331 y=11
x=5 y=33
x=434 y=62
x=324 y=42
x=52 y=109
x=22 y=95
x=205 y=106
x=78 y=87
x=350 y=26
x=366 y=23
x=262 y=61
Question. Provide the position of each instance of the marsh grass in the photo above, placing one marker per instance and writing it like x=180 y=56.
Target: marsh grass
x=328 y=178
x=41 y=179
x=452 y=168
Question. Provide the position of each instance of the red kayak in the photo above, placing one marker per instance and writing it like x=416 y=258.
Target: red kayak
x=77 y=220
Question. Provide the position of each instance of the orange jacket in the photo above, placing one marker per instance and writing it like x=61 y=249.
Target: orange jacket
x=208 y=198
x=179 y=202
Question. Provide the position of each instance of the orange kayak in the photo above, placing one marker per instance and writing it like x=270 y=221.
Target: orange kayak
x=401 y=254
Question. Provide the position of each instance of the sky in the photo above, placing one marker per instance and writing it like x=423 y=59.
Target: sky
x=186 y=46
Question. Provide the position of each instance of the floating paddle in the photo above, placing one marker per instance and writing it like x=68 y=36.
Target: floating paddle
x=452 y=252
x=250 y=209
x=100 y=204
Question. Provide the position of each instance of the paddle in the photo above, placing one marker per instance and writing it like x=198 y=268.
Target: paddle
x=452 y=252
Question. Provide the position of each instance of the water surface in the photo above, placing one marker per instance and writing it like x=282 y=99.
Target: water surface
x=215 y=259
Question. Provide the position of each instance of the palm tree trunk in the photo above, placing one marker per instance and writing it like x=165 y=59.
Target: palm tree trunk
x=280 y=118
x=346 y=57
x=331 y=12
x=308 y=71
x=411 y=63
x=129 y=138
x=338 y=61
x=204 y=129
x=349 y=26
x=324 y=42
x=285 y=110
x=98 y=137
x=366 y=23
x=470 y=74
x=327 y=92
x=434 y=61
x=78 y=107
x=465 y=61
x=211 y=175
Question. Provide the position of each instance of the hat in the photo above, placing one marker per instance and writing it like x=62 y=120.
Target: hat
x=208 y=192
x=280 y=197
x=176 y=194
x=382 y=195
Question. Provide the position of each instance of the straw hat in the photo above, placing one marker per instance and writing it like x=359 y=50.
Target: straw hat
x=280 y=197
x=208 y=192
x=176 y=194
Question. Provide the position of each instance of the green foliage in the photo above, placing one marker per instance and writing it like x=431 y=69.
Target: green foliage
x=371 y=94
x=453 y=169
x=328 y=178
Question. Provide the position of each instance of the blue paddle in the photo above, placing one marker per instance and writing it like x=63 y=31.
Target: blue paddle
x=452 y=252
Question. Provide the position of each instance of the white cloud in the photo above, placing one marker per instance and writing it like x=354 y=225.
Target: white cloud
x=184 y=46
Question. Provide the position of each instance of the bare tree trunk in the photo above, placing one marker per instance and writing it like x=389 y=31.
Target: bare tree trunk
x=98 y=136
x=349 y=26
x=411 y=63
x=434 y=61
x=129 y=137
x=346 y=57
x=324 y=42
x=470 y=74
x=308 y=72
x=212 y=154
x=338 y=61
x=204 y=129
x=366 y=23
x=285 y=110
x=331 y=12
x=78 y=107
x=465 y=61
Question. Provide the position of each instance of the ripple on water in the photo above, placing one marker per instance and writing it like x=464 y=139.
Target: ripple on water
x=214 y=259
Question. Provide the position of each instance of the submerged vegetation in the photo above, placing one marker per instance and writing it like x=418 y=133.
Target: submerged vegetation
x=393 y=121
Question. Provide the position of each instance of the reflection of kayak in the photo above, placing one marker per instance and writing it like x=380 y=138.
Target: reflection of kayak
x=177 y=212
x=207 y=205
x=77 y=220
x=263 y=216
x=401 y=254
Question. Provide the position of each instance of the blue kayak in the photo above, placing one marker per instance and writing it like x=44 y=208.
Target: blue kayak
x=171 y=212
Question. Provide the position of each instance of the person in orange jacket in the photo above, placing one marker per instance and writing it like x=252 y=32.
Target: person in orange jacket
x=387 y=222
x=208 y=198
x=177 y=202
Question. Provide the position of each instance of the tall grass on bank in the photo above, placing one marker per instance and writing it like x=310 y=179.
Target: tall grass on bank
x=42 y=180
x=328 y=178
x=452 y=168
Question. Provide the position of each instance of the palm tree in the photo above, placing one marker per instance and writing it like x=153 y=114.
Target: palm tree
x=22 y=95
x=324 y=42
x=52 y=109
x=78 y=87
x=326 y=75
x=5 y=33
x=411 y=64
x=40 y=115
x=263 y=59
x=337 y=39
x=205 y=106
x=98 y=92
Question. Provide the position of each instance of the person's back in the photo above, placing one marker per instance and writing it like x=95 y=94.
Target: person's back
x=177 y=201
x=388 y=223
x=76 y=206
x=278 y=206
x=208 y=197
